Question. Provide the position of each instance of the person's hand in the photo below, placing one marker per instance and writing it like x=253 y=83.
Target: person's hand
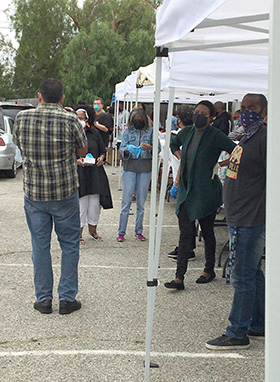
x=146 y=146
x=174 y=191
x=80 y=162
x=99 y=161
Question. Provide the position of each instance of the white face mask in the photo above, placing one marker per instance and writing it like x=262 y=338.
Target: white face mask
x=83 y=123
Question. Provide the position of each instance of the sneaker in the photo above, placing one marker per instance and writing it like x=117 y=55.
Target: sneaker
x=67 y=307
x=120 y=237
x=256 y=336
x=173 y=285
x=173 y=253
x=228 y=343
x=140 y=237
x=44 y=307
x=173 y=256
x=191 y=256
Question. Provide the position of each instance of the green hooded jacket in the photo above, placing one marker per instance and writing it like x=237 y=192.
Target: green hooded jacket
x=201 y=191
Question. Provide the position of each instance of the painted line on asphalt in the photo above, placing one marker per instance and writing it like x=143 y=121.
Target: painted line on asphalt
x=42 y=353
x=104 y=267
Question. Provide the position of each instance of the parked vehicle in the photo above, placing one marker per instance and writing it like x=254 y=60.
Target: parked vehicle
x=10 y=156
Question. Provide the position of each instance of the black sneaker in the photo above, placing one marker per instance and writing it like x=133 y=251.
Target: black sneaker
x=173 y=254
x=67 y=307
x=173 y=285
x=191 y=256
x=256 y=336
x=44 y=307
x=228 y=343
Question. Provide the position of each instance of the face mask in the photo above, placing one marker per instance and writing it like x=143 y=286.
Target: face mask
x=248 y=117
x=83 y=123
x=96 y=107
x=235 y=123
x=199 y=120
x=139 y=125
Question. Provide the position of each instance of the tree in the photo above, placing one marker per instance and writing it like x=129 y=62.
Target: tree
x=114 y=38
x=43 y=30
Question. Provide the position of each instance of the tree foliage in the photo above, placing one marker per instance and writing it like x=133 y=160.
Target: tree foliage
x=43 y=30
x=90 y=48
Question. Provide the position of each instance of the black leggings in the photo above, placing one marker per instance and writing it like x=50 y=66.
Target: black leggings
x=186 y=240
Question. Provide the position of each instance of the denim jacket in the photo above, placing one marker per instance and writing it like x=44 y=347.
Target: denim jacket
x=131 y=136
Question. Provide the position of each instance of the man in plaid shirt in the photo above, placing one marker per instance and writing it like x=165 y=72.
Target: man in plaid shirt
x=50 y=139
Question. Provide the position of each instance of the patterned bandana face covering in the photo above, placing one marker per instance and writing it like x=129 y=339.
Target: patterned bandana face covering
x=247 y=117
x=252 y=122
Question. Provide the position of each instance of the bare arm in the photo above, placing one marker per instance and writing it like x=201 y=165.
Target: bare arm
x=101 y=127
x=177 y=154
x=82 y=151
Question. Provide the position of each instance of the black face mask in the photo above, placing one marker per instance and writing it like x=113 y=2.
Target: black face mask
x=139 y=125
x=199 y=120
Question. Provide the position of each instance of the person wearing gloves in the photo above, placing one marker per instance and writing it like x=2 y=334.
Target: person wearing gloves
x=94 y=189
x=199 y=192
x=136 y=151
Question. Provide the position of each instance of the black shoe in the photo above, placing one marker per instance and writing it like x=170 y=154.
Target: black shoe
x=191 y=256
x=44 y=307
x=173 y=253
x=67 y=307
x=228 y=343
x=203 y=280
x=256 y=336
x=173 y=285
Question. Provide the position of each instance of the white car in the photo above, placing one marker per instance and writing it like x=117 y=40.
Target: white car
x=10 y=158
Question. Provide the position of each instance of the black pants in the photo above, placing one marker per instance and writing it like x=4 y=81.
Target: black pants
x=186 y=241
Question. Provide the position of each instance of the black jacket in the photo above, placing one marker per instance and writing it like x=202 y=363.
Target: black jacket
x=93 y=179
x=222 y=122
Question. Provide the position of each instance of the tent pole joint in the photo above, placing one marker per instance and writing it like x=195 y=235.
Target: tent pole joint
x=153 y=283
x=161 y=52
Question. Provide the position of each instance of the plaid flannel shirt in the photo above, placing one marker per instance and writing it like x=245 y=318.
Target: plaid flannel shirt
x=48 y=138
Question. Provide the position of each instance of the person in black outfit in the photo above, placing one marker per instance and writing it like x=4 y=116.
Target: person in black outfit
x=104 y=122
x=222 y=120
x=94 y=189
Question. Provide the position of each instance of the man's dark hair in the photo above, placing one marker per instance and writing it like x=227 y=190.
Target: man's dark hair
x=209 y=105
x=51 y=90
x=100 y=99
x=185 y=114
x=262 y=99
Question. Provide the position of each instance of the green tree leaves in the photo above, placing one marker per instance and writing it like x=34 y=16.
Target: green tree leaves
x=90 y=49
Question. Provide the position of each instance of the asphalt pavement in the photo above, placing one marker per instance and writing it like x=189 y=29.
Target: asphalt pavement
x=105 y=340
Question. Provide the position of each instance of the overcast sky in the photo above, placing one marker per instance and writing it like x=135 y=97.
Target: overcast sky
x=4 y=22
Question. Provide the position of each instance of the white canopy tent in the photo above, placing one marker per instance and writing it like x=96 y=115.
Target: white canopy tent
x=231 y=27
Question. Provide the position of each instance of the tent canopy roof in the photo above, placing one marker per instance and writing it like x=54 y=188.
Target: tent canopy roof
x=219 y=25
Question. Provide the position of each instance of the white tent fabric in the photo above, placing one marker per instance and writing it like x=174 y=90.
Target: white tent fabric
x=214 y=72
x=229 y=26
x=236 y=26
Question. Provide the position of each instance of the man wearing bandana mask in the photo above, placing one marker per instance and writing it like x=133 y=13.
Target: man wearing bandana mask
x=199 y=192
x=244 y=198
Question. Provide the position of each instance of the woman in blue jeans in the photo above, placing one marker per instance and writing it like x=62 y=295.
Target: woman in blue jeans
x=136 y=151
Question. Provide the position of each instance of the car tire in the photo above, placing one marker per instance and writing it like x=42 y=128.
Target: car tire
x=13 y=172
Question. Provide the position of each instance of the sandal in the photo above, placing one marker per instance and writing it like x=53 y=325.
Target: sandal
x=82 y=240
x=95 y=236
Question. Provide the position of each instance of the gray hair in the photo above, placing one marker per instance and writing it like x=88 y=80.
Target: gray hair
x=138 y=111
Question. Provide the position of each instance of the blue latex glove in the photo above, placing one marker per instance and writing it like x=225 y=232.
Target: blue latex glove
x=134 y=150
x=174 y=191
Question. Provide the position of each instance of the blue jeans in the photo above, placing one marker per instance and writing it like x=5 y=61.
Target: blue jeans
x=65 y=216
x=247 y=278
x=132 y=181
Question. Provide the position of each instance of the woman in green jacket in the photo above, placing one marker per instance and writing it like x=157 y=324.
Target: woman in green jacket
x=199 y=191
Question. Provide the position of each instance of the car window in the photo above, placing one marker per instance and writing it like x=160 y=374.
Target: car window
x=11 y=123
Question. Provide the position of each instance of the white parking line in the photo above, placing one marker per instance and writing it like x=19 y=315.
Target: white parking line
x=42 y=353
x=102 y=267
